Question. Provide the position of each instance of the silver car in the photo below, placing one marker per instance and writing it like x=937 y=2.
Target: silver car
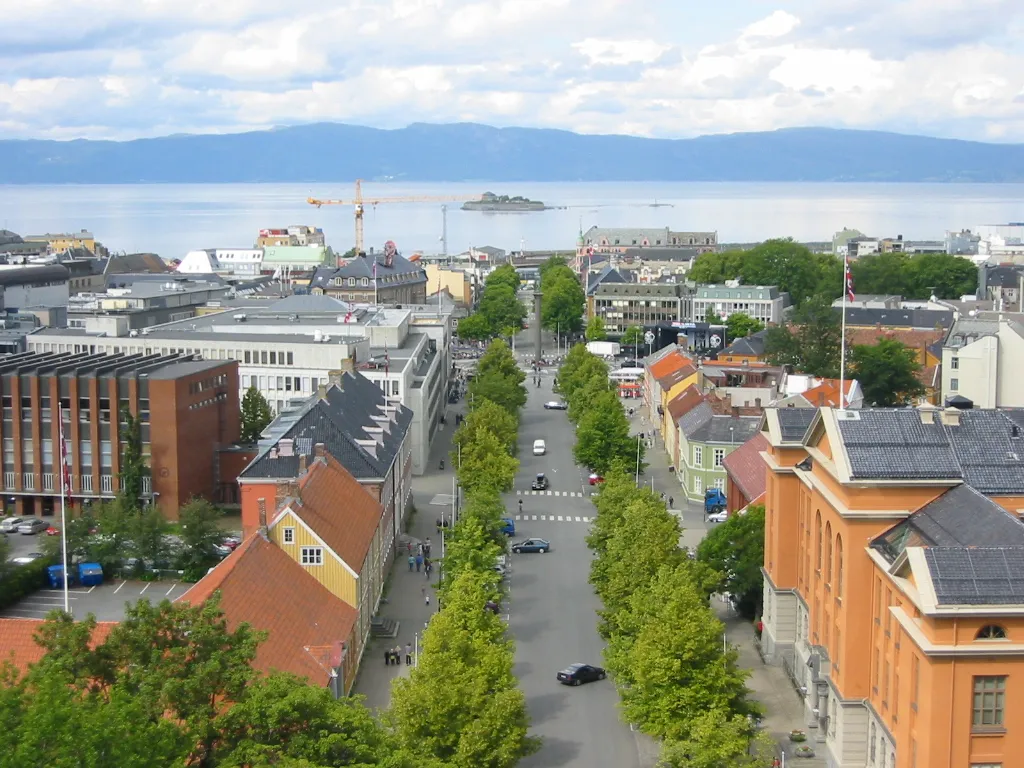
x=32 y=526
x=10 y=524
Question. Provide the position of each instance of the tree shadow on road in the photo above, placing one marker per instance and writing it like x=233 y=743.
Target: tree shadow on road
x=554 y=753
x=525 y=632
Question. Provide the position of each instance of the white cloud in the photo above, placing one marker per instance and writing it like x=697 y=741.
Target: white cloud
x=117 y=68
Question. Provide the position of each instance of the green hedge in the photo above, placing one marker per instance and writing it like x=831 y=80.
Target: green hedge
x=23 y=580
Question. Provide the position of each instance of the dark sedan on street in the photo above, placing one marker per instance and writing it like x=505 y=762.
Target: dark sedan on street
x=540 y=483
x=556 y=405
x=531 y=545
x=577 y=674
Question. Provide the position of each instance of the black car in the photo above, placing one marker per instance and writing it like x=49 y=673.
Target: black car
x=577 y=674
x=531 y=545
x=541 y=483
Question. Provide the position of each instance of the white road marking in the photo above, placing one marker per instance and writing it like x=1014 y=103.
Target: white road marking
x=578 y=519
x=89 y=592
x=173 y=587
x=119 y=586
x=586 y=519
x=534 y=517
x=519 y=517
x=560 y=518
x=543 y=517
x=145 y=588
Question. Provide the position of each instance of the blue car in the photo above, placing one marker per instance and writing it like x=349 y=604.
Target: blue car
x=508 y=526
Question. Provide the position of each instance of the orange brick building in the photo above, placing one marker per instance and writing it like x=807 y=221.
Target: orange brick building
x=894 y=581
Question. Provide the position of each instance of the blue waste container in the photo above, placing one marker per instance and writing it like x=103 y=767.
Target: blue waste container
x=55 y=572
x=90 y=574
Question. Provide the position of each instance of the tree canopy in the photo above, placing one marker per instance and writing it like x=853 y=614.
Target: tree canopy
x=887 y=373
x=498 y=379
x=812 y=344
x=563 y=301
x=595 y=329
x=915 y=276
x=735 y=550
x=256 y=415
x=739 y=326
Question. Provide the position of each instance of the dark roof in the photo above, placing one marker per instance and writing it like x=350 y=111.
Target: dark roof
x=752 y=345
x=696 y=418
x=606 y=275
x=793 y=423
x=899 y=318
x=977 y=576
x=960 y=517
x=338 y=420
x=33 y=274
x=1002 y=275
x=363 y=267
x=734 y=430
x=981 y=450
x=135 y=263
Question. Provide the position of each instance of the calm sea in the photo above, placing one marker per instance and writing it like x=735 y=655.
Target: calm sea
x=172 y=219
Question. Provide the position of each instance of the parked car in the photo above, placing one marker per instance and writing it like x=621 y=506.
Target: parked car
x=539 y=448
x=540 y=483
x=508 y=526
x=577 y=674
x=32 y=526
x=31 y=557
x=232 y=542
x=531 y=545
x=718 y=517
x=556 y=405
x=10 y=524
x=595 y=479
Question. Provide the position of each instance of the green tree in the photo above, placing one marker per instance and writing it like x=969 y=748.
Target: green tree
x=487 y=465
x=200 y=533
x=498 y=379
x=505 y=275
x=282 y=718
x=595 y=329
x=486 y=415
x=148 y=534
x=712 y=318
x=945 y=275
x=634 y=337
x=815 y=345
x=551 y=265
x=739 y=326
x=256 y=415
x=602 y=436
x=887 y=372
x=133 y=464
x=881 y=273
x=563 y=301
x=735 y=549
x=475 y=328
x=718 y=740
x=502 y=310
x=471 y=547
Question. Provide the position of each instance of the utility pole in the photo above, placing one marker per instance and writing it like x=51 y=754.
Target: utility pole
x=444 y=231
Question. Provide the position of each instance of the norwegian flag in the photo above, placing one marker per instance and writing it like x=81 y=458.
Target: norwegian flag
x=849 y=280
x=65 y=462
x=348 y=317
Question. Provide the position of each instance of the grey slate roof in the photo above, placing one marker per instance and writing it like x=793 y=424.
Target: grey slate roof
x=695 y=418
x=338 y=422
x=749 y=345
x=960 y=517
x=793 y=422
x=606 y=275
x=725 y=429
x=977 y=576
x=363 y=267
x=898 y=318
x=893 y=444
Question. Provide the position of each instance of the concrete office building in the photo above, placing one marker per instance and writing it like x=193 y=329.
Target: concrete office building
x=288 y=348
x=762 y=302
x=186 y=408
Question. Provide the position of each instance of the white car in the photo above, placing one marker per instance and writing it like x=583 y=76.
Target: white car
x=718 y=517
x=10 y=524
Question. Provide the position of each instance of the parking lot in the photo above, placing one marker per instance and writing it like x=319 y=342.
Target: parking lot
x=106 y=602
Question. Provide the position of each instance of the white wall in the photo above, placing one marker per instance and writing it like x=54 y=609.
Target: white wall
x=19 y=296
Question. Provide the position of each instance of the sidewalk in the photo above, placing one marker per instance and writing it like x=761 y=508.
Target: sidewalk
x=405 y=593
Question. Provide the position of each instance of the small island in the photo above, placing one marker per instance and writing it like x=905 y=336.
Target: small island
x=491 y=202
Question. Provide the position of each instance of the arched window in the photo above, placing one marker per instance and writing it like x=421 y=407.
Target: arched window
x=365 y=281
x=991 y=632
x=828 y=553
x=817 y=528
x=351 y=282
x=839 y=565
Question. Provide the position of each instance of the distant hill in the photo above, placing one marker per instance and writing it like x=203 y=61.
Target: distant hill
x=465 y=151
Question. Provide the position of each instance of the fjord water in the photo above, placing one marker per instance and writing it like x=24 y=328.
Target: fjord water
x=171 y=219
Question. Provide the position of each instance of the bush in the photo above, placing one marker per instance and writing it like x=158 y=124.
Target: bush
x=23 y=580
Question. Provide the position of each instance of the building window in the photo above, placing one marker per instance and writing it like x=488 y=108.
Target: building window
x=954 y=384
x=312 y=555
x=351 y=282
x=915 y=680
x=720 y=483
x=818 y=528
x=954 y=363
x=828 y=553
x=989 y=696
x=839 y=566
x=988 y=632
x=698 y=485
x=698 y=456
x=719 y=456
x=364 y=282
x=289 y=535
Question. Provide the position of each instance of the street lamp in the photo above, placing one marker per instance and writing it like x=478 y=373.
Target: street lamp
x=639 y=436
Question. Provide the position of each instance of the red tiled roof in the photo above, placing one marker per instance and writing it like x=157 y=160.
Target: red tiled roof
x=912 y=337
x=18 y=644
x=827 y=393
x=676 y=375
x=263 y=586
x=669 y=363
x=722 y=406
x=682 y=403
x=339 y=510
x=746 y=468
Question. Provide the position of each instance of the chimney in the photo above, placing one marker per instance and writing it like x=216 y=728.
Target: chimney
x=927 y=413
x=261 y=504
x=320 y=453
x=321 y=391
x=284 y=447
x=285 y=489
x=821 y=399
x=757 y=402
x=951 y=416
x=735 y=411
x=302 y=464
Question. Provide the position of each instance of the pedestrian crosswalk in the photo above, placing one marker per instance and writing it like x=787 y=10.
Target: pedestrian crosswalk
x=574 y=494
x=554 y=518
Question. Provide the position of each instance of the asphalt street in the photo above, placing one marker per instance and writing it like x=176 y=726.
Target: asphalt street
x=553 y=610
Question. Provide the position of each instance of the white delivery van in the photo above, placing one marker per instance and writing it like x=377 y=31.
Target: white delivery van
x=539 y=449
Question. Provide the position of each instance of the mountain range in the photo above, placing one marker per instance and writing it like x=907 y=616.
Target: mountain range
x=327 y=152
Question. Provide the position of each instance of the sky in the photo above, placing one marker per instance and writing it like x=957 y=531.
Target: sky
x=121 y=69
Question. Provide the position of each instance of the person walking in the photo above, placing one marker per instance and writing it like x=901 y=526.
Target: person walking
x=426 y=599
x=426 y=547
x=396 y=656
x=520 y=506
x=671 y=502
x=387 y=657
x=412 y=562
x=419 y=549
x=419 y=562
x=408 y=654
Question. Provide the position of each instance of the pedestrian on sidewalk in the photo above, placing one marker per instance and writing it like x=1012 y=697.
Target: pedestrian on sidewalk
x=426 y=567
x=419 y=549
x=408 y=654
x=426 y=599
x=396 y=656
x=426 y=547
x=419 y=562
x=412 y=563
x=671 y=502
x=387 y=657
x=409 y=547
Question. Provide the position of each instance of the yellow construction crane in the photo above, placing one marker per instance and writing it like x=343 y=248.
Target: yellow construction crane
x=360 y=203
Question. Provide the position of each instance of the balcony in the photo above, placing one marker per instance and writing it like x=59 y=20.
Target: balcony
x=28 y=481
x=147 y=486
x=106 y=484
x=85 y=483
x=48 y=481
x=10 y=480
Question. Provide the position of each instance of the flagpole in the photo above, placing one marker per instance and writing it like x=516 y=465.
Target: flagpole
x=374 y=280
x=842 y=346
x=64 y=477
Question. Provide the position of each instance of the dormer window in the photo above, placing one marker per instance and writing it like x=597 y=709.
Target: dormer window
x=351 y=282
x=365 y=282
x=991 y=632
